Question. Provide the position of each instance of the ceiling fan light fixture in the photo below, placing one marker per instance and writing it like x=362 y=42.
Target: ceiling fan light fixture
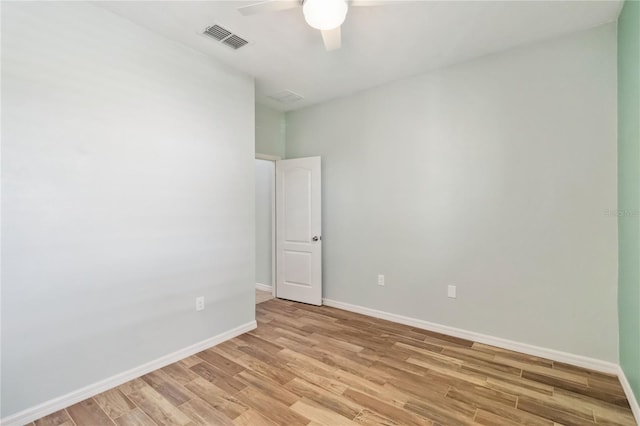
x=324 y=14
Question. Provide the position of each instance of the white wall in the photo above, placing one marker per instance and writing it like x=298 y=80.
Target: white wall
x=127 y=191
x=270 y=131
x=492 y=175
x=265 y=173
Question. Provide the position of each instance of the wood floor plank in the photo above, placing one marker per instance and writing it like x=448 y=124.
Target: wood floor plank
x=577 y=388
x=481 y=396
x=319 y=413
x=607 y=386
x=203 y=414
x=616 y=420
x=252 y=418
x=268 y=386
x=189 y=361
x=419 y=343
x=491 y=371
x=372 y=341
x=360 y=357
x=55 y=419
x=434 y=367
x=488 y=418
x=218 y=377
x=383 y=393
x=505 y=353
x=217 y=398
x=395 y=330
x=320 y=366
x=338 y=361
x=325 y=380
x=580 y=379
x=88 y=412
x=257 y=342
x=319 y=315
x=132 y=386
x=520 y=386
x=159 y=409
x=614 y=414
x=261 y=354
x=289 y=325
x=165 y=386
x=447 y=341
x=431 y=355
x=468 y=353
x=402 y=365
x=500 y=405
x=369 y=418
x=391 y=369
x=417 y=389
x=271 y=408
x=331 y=401
x=568 y=416
x=273 y=333
x=386 y=410
x=114 y=403
x=331 y=342
x=442 y=413
x=305 y=361
x=279 y=375
x=178 y=373
x=585 y=372
x=477 y=364
x=135 y=417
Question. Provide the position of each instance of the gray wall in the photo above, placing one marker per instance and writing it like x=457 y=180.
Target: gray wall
x=265 y=176
x=270 y=131
x=492 y=175
x=127 y=191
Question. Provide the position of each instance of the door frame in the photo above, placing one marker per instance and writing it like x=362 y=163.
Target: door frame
x=273 y=159
x=306 y=179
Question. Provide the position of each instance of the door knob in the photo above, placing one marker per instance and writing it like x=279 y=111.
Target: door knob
x=316 y=238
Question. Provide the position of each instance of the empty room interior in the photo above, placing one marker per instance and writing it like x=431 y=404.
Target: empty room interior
x=320 y=212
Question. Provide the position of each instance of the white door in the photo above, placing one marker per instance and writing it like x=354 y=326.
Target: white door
x=298 y=230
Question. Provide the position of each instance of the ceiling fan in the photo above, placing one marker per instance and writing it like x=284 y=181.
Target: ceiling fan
x=324 y=15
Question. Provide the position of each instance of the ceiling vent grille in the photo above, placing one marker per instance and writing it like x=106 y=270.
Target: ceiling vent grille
x=225 y=36
x=285 y=97
x=235 y=41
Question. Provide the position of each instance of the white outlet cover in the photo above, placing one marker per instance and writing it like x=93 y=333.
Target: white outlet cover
x=380 y=279
x=451 y=291
x=199 y=303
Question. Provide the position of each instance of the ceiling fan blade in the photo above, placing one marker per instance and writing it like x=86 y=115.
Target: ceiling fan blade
x=332 y=39
x=268 y=6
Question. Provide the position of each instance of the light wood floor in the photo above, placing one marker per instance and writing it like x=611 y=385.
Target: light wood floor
x=263 y=296
x=307 y=365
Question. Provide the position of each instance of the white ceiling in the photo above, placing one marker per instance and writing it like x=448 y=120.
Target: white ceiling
x=379 y=43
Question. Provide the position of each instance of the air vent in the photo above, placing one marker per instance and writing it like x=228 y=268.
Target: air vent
x=217 y=32
x=286 y=97
x=225 y=36
x=235 y=41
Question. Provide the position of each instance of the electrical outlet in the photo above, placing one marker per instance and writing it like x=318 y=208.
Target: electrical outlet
x=381 y=280
x=199 y=303
x=451 y=291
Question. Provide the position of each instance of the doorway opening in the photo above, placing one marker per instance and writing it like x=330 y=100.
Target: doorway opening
x=288 y=229
x=265 y=175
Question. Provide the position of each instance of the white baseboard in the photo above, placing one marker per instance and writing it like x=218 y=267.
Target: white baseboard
x=633 y=402
x=552 y=354
x=263 y=287
x=53 y=405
